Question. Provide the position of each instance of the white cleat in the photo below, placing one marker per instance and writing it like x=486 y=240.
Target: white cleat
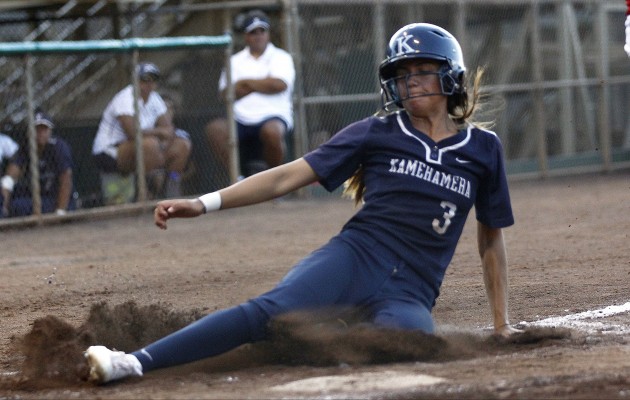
x=107 y=365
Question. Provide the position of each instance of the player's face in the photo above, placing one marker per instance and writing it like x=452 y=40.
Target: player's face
x=257 y=40
x=418 y=84
x=418 y=78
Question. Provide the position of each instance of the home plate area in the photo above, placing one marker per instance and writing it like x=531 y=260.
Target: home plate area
x=369 y=382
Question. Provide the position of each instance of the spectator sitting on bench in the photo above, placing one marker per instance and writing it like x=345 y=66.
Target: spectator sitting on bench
x=114 y=146
x=55 y=174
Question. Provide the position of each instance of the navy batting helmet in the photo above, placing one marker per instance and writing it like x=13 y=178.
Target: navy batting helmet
x=423 y=41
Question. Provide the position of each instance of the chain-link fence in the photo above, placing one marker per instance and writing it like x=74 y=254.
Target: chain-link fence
x=555 y=71
x=75 y=89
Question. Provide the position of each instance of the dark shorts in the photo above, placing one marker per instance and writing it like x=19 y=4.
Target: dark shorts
x=249 y=144
x=105 y=162
x=249 y=132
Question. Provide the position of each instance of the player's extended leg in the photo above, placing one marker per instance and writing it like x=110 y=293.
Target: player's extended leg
x=211 y=335
x=348 y=270
x=323 y=278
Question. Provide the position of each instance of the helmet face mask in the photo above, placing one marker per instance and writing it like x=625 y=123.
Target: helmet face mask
x=422 y=41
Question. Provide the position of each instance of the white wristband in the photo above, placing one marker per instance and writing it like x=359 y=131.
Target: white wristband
x=211 y=201
x=7 y=183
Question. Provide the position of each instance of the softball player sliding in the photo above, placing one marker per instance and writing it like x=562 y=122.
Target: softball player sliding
x=417 y=170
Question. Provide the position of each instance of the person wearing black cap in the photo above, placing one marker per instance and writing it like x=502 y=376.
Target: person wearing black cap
x=55 y=174
x=263 y=76
x=114 y=147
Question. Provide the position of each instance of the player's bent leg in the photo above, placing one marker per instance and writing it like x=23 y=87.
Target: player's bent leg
x=347 y=271
x=402 y=314
x=308 y=284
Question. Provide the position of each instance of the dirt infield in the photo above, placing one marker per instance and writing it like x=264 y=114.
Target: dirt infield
x=122 y=282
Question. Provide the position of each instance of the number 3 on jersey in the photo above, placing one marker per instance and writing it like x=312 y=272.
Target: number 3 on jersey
x=448 y=215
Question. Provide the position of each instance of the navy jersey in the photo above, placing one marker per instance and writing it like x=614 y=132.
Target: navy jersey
x=418 y=193
x=55 y=159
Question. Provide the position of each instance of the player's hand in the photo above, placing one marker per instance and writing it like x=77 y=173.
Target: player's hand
x=176 y=208
x=506 y=331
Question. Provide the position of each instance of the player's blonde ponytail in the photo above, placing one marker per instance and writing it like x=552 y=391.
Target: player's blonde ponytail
x=462 y=107
x=355 y=187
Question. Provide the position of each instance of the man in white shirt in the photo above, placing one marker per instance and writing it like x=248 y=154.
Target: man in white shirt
x=263 y=76
x=114 y=144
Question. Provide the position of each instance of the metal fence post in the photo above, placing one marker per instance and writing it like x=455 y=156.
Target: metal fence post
x=32 y=139
x=141 y=182
x=537 y=97
x=603 y=105
x=230 y=98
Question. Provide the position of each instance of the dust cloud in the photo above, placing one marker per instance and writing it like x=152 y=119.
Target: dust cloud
x=53 y=349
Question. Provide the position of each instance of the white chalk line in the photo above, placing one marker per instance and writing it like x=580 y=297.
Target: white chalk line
x=587 y=320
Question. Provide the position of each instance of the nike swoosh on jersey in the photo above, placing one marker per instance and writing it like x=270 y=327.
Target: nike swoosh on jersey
x=459 y=160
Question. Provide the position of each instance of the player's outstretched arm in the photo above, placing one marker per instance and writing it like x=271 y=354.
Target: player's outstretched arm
x=269 y=184
x=266 y=185
x=494 y=264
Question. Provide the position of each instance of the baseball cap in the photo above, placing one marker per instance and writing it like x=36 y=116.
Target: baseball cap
x=42 y=119
x=256 y=20
x=148 y=70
